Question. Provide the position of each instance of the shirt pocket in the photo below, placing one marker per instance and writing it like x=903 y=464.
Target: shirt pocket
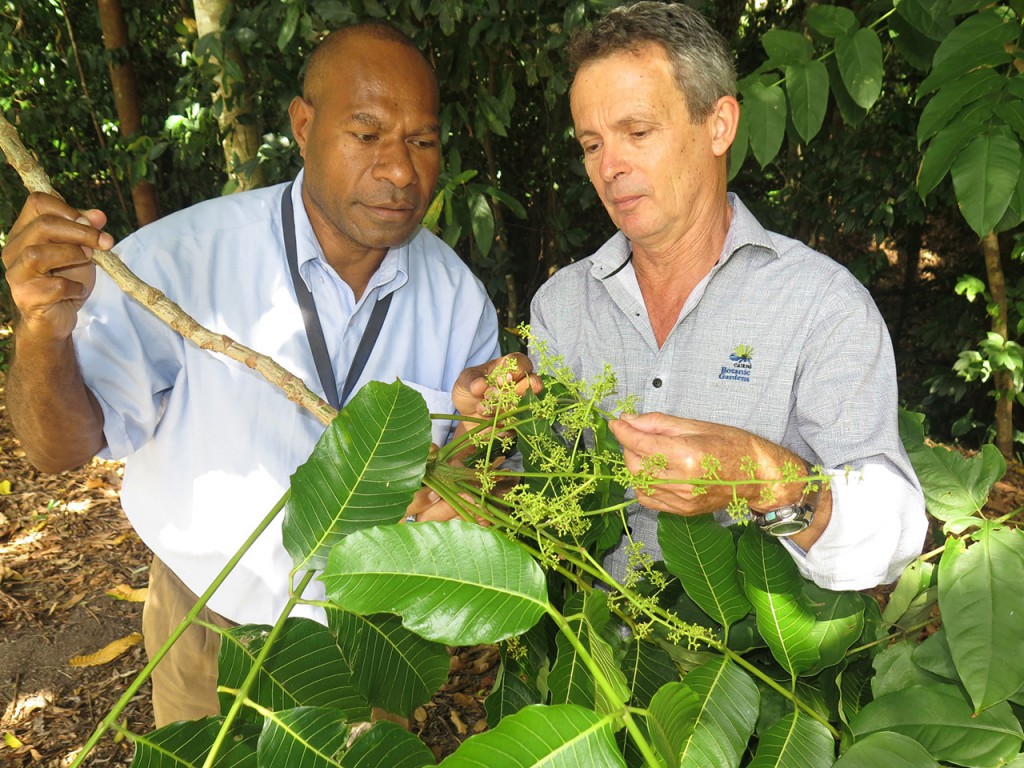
x=438 y=401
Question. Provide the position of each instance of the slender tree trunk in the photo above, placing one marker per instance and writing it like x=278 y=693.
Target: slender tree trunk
x=241 y=142
x=126 y=98
x=1001 y=379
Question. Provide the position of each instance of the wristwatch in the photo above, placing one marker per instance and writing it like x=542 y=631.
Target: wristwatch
x=793 y=518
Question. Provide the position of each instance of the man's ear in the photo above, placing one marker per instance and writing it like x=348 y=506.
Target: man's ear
x=301 y=113
x=724 y=120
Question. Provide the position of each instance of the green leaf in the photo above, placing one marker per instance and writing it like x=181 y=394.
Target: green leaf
x=838 y=623
x=831 y=21
x=673 y=714
x=934 y=657
x=728 y=713
x=774 y=586
x=916 y=592
x=509 y=695
x=982 y=609
x=785 y=47
x=647 y=668
x=949 y=100
x=915 y=47
x=930 y=17
x=387 y=744
x=562 y=736
x=1013 y=113
x=481 y=220
x=938 y=717
x=571 y=680
x=795 y=741
x=766 y=110
x=186 y=744
x=363 y=471
x=306 y=737
x=859 y=56
x=954 y=485
x=702 y=553
x=455 y=583
x=985 y=176
x=740 y=144
x=947 y=144
x=807 y=88
x=851 y=112
x=304 y=668
x=896 y=671
x=395 y=669
x=979 y=41
x=893 y=750
x=291 y=22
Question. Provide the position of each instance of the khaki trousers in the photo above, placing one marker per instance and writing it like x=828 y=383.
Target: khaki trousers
x=185 y=680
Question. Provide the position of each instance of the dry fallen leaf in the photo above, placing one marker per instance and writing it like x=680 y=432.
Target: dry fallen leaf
x=108 y=653
x=457 y=722
x=128 y=594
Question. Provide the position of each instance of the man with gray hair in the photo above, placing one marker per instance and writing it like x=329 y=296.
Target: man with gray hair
x=703 y=314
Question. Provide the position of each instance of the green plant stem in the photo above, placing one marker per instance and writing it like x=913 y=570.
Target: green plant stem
x=650 y=757
x=257 y=666
x=111 y=719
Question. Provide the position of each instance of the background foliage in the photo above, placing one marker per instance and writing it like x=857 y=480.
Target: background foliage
x=829 y=162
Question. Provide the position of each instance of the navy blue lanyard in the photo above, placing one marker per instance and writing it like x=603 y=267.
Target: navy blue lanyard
x=310 y=318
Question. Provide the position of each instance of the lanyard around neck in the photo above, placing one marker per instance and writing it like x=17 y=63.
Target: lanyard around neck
x=310 y=318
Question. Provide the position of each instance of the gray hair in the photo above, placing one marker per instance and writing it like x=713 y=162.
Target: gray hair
x=702 y=61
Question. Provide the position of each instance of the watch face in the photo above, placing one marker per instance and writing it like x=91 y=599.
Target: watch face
x=787 y=527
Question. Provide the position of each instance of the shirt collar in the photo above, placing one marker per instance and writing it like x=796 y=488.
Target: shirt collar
x=745 y=231
x=392 y=273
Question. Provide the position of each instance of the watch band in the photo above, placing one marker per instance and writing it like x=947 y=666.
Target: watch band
x=793 y=518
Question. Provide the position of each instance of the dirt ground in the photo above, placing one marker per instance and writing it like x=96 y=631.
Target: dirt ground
x=65 y=545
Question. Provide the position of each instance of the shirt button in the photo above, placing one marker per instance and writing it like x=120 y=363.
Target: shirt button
x=656 y=383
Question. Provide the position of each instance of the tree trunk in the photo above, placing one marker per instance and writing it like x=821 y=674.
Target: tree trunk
x=1002 y=379
x=241 y=142
x=126 y=98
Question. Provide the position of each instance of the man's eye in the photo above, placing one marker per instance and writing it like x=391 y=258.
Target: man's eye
x=365 y=137
x=589 y=149
x=639 y=134
x=424 y=143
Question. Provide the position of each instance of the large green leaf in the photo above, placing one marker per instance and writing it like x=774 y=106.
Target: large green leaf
x=947 y=103
x=304 y=668
x=481 y=219
x=795 y=741
x=387 y=745
x=940 y=719
x=807 y=88
x=673 y=714
x=979 y=41
x=831 y=21
x=509 y=695
x=852 y=112
x=785 y=47
x=916 y=48
x=562 y=736
x=893 y=750
x=985 y=176
x=647 y=668
x=895 y=670
x=765 y=106
x=363 y=471
x=954 y=485
x=306 y=737
x=186 y=744
x=571 y=681
x=455 y=583
x=775 y=588
x=859 y=56
x=927 y=16
x=395 y=669
x=947 y=144
x=916 y=592
x=729 y=706
x=838 y=623
x=702 y=553
x=982 y=607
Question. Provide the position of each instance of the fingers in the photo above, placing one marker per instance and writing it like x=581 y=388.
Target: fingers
x=428 y=507
x=472 y=387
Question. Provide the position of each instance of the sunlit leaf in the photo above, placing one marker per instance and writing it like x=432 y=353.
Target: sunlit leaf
x=456 y=583
x=481 y=220
x=795 y=741
x=978 y=41
x=673 y=714
x=785 y=47
x=766 y=110
x=186 y=744
x=985 y=176
x=807 y=88
x=893 y=750
x=363 y=471
x=562 y=736
x=387 y=744
x=728 y=713
x=859 y=56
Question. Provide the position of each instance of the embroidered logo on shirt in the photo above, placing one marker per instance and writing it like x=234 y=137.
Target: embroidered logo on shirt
x=740 y=364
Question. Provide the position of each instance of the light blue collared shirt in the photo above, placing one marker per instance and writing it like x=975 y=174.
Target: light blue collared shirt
x=209 y=445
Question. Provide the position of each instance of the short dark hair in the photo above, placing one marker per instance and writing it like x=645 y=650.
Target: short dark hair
x=702 y=61
x=319 y=59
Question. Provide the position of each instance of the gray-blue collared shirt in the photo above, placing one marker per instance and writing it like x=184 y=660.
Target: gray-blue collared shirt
x=779 y=340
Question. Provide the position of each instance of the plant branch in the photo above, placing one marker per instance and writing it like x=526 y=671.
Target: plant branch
x=35 y=180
